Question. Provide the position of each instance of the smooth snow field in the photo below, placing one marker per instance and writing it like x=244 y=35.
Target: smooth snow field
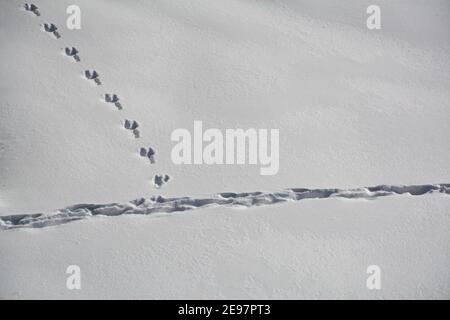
x=88 y=178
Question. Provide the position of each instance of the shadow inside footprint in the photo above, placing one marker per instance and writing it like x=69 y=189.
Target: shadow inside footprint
x=92 y=75
x=51 y=28
x=130 y=124
x=72 y=52
x=111 y=97
x=143 y=152
x=148 y=153
x=160 y=180
x=32 y=8
x=151 y=155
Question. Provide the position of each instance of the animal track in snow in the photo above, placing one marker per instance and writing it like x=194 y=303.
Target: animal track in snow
x=51 y=28
x=72 y=52
x=32 y=8
x=148 y=153
x=161 y=205
x=160 y=180
x=92 y=75
x=113 y=98
x=133 y=126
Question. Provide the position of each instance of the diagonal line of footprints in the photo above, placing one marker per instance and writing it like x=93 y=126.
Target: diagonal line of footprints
x=110 y=98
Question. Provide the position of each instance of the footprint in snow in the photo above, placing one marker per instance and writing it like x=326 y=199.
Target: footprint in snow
x=148 y=153
x=51 y=28
x=113 y=98
x=32 y=8
x=92 y=75
x=160 y=180
x=133 y=126
x=72 y=52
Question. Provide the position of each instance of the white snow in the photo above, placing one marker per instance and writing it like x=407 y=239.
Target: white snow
x=355 y=108
x=311 y=249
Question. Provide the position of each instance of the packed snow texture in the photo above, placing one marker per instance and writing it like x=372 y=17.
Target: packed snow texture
x=312 y=249
x=86 y=118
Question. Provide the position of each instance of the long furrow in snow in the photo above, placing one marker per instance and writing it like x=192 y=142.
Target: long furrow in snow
x=161 y=205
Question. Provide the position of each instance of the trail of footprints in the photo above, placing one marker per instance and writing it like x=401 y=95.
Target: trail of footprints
x=109 y=98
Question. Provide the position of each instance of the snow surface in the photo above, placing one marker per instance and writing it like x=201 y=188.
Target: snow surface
x=355 y=108
x=311 y=249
